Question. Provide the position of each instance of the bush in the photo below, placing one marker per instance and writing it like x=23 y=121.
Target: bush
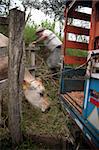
x=29 y=33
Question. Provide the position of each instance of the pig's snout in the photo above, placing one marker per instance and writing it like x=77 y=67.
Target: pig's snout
x=42 y=93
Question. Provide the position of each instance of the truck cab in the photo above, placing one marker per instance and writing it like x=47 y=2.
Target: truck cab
x=79 y=85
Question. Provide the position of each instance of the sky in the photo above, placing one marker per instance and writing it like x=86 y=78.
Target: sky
x=37 y=15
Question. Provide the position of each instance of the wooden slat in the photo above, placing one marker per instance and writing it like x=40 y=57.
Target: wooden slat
x=3 y=21
x=79 y=15
x=66 y=98
x=74 y=60
x=76 y=45
x=77 y=30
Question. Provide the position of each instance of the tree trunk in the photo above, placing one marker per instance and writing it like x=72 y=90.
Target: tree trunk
x=15 y=72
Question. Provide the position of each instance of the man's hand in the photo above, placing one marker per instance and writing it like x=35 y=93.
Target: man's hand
x=34 y=42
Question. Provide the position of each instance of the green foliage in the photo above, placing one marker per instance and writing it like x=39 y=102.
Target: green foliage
x=53 y=8
x=29 y=33
x=4 y=7
x=48 y=25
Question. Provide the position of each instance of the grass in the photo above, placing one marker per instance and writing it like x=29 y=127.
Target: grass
x=77 y=52
x=53 y=122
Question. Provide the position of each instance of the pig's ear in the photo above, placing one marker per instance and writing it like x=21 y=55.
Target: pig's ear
x=39 y=79
x=26 y=85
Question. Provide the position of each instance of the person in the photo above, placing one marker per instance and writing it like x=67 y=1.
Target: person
x=53 y=43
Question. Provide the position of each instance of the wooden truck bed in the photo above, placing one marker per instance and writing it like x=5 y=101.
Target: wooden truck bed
x=75 y=99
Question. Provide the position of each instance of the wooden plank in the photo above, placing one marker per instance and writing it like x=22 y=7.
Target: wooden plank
x=79 y=15
x=15 y=72
x=68 y=99
x=74 y=60
x=77 y=30
x=3 y=21
x=76 y=45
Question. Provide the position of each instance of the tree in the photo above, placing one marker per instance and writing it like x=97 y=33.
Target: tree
x=55 y=9
x=27 y=5
x=4 y=7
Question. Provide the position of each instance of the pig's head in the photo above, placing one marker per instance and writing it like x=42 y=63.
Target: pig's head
x=37 y=86
x=35 y=94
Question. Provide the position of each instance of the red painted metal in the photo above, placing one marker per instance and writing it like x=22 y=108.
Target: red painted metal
x=74 y=60
x=77 y=30
x=94 y=29
x=97 y=29
x=94 y=101
x=97 y=20
x=79 y=15
x=76 y=45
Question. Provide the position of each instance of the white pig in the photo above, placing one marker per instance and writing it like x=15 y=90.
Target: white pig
x=35 y=92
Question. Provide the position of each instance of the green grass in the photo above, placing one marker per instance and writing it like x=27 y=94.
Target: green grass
x=53 y=122
x=77 y=52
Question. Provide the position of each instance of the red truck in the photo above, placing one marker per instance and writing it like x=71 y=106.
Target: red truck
x=79 y=87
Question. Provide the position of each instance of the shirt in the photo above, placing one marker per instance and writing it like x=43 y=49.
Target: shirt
x=52 y=41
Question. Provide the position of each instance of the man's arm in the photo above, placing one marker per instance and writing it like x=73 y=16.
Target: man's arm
x=42 y=38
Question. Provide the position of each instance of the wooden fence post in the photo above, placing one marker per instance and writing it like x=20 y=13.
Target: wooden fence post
x=32 y=54
x=15 y=72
